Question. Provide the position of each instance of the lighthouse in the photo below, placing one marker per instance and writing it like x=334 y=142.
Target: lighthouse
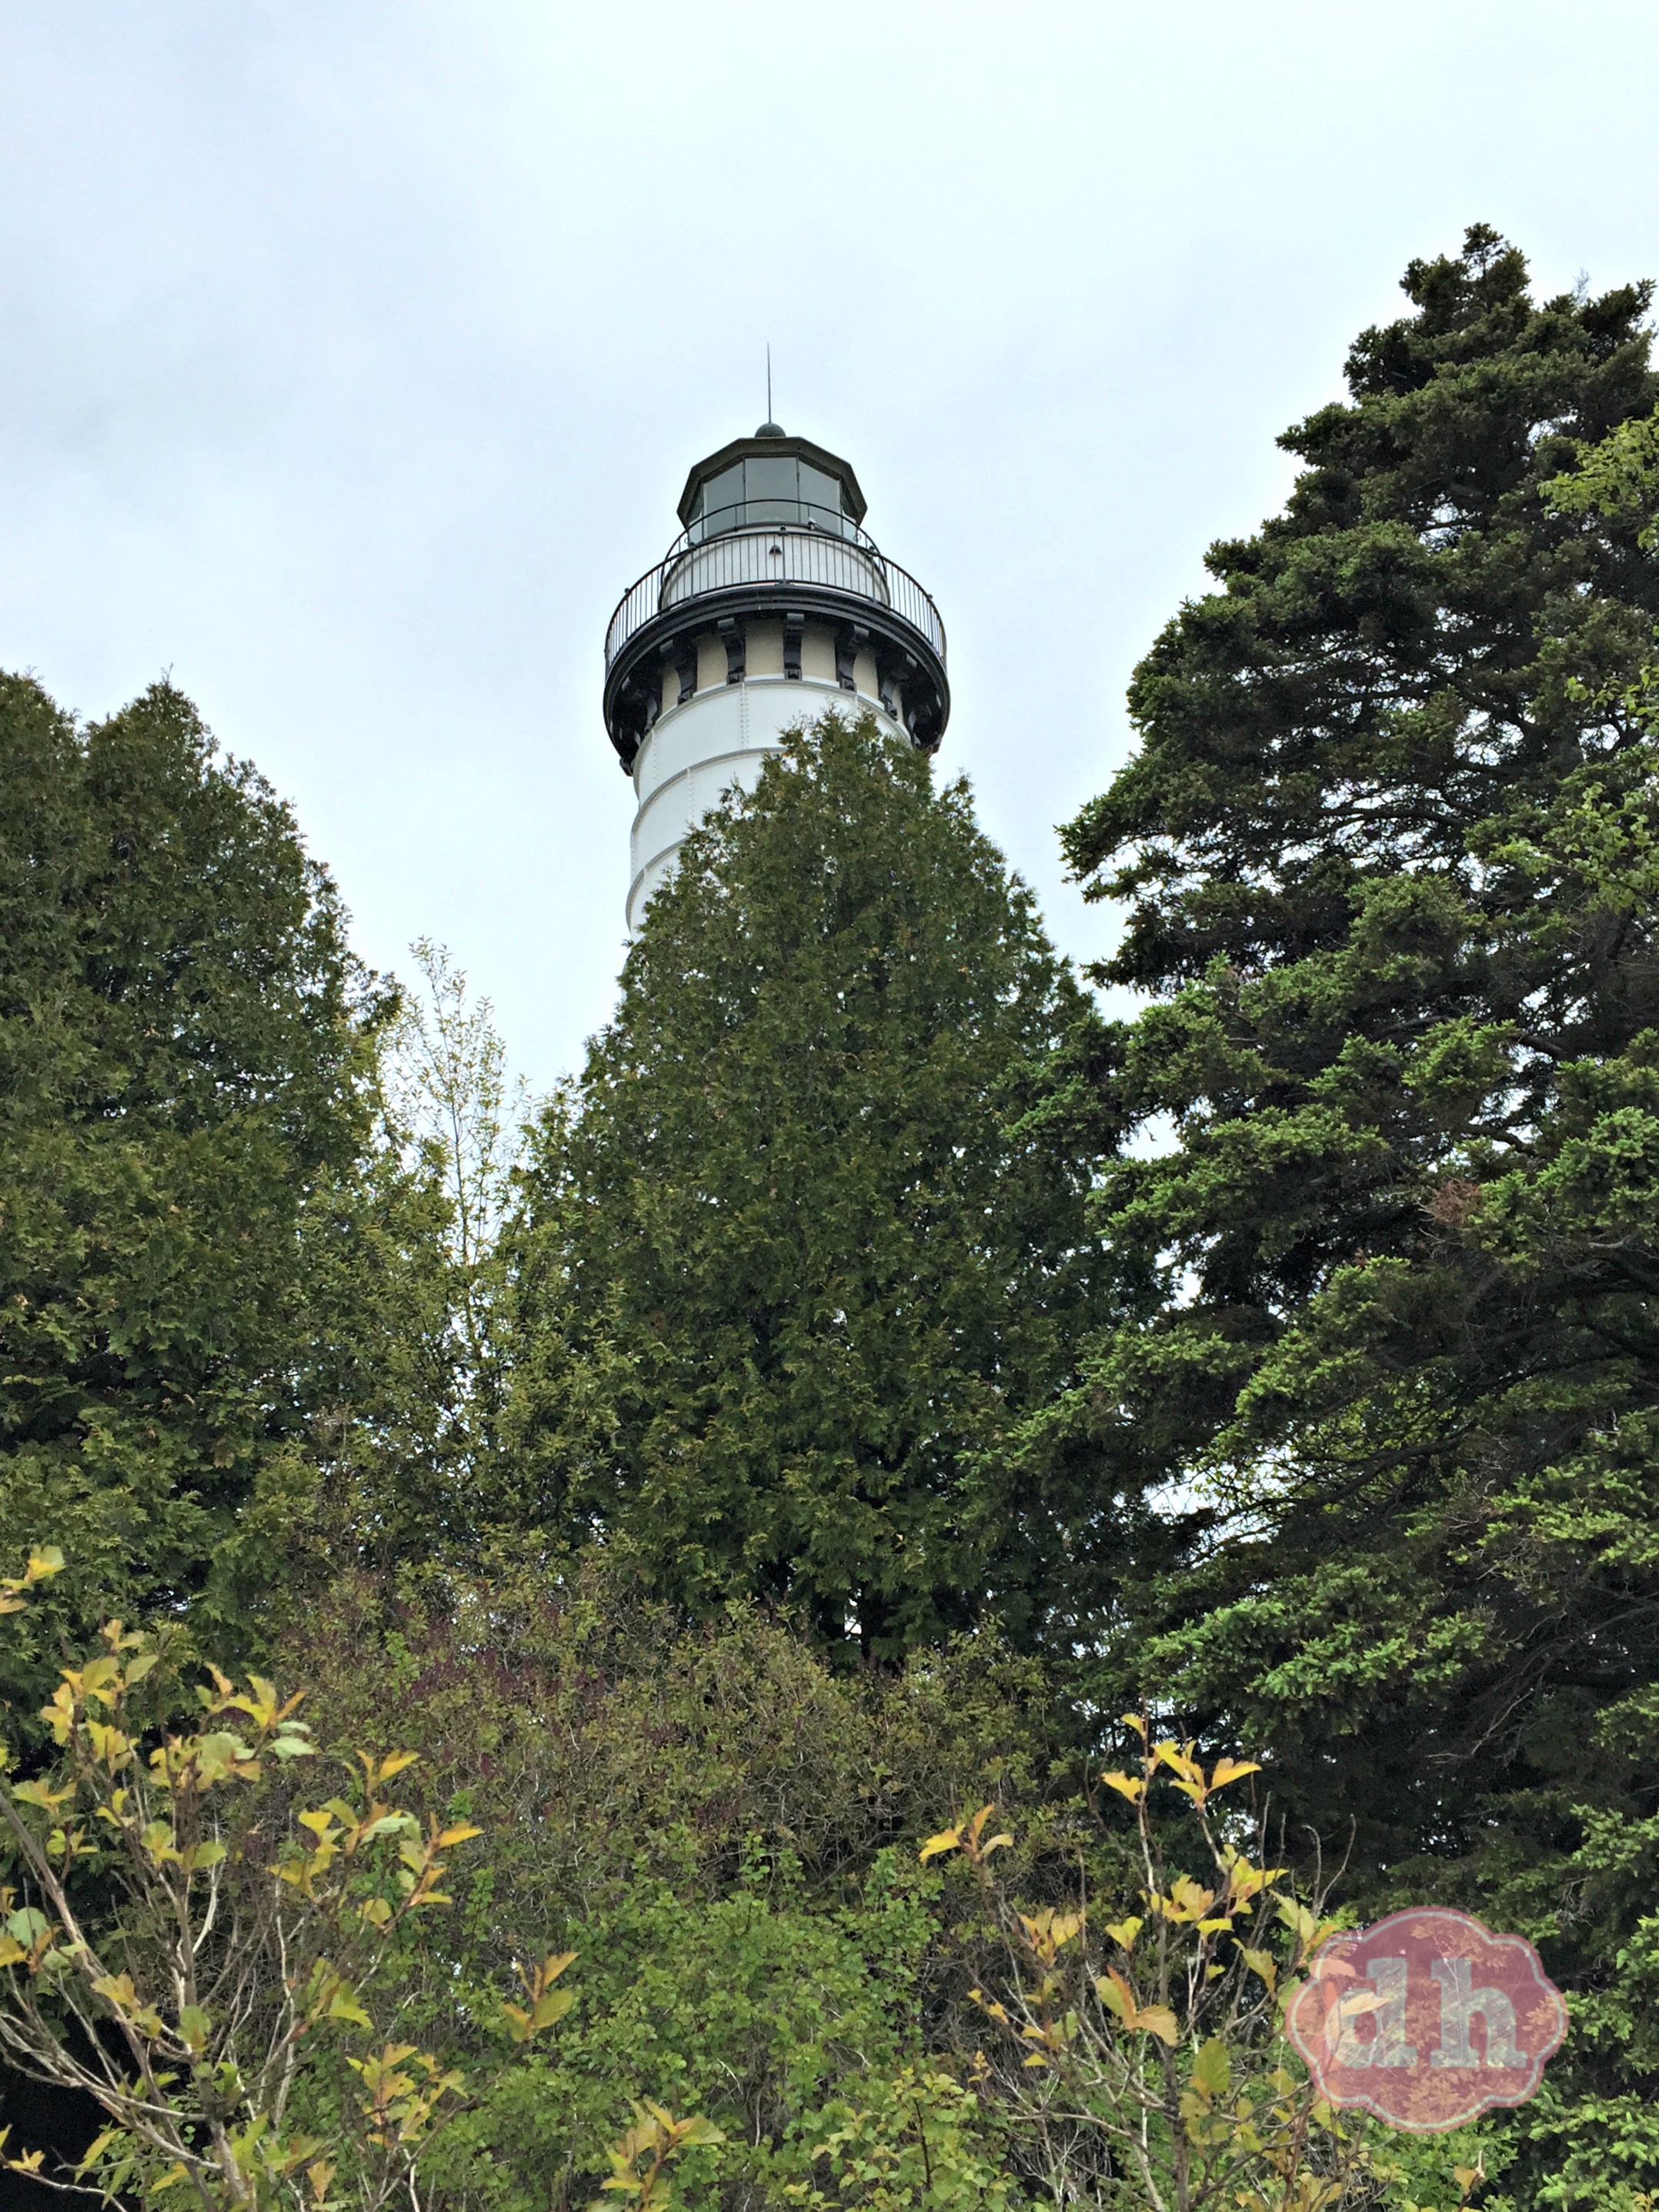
x=772 y=605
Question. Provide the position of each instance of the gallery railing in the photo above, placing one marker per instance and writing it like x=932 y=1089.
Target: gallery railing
x=773 y=553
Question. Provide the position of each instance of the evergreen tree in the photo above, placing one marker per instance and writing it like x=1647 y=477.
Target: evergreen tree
x=214 y=1284
x=784 y=1279
x=1389 y=843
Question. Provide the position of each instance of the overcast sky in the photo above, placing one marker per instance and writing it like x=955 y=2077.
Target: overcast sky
x=354 y=355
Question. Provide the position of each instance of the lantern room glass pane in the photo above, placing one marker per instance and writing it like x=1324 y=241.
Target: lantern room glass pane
x=769 y=488
x=821 y=499
x=771 y=493
x=722 y=498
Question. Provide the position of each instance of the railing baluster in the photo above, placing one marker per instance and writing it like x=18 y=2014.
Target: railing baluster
x=743 y=556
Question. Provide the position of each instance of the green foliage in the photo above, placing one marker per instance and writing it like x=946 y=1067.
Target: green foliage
x=1619 y=478
x=1390 y=661
x=203 y=1268
x=1139 y=2056
x=452 y=1100
x=231 y=1332
x=1285 y=1356
x=230 y=1972
x=607 y=1743
x=1390 y=845
x=917 y=2138
x=186 y=1951
x=786 y=1279
x=421 y=1458
x=715 y=1822
x=754 y=2007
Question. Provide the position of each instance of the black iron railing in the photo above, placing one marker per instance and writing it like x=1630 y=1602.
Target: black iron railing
x=776 y=554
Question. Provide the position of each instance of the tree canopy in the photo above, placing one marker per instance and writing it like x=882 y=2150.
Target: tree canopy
x=204 y=1282
x=1280 y=1360
x=1389 y=850
x=787 y=1278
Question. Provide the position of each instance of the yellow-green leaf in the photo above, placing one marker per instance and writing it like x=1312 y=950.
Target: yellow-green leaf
x=1260 y=1963
x=98 y=2145
x=37 y=1793
x=1232 y=1770
x=1212 y=2070
x=344 y=2005
x=1118 y=1996
x=394 y=1763
x=1178 y=1758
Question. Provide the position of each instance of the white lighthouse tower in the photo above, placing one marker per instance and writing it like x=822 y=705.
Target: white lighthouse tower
x=772 y=605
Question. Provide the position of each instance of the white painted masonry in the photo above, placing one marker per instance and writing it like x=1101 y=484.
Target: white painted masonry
x=719 y=737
